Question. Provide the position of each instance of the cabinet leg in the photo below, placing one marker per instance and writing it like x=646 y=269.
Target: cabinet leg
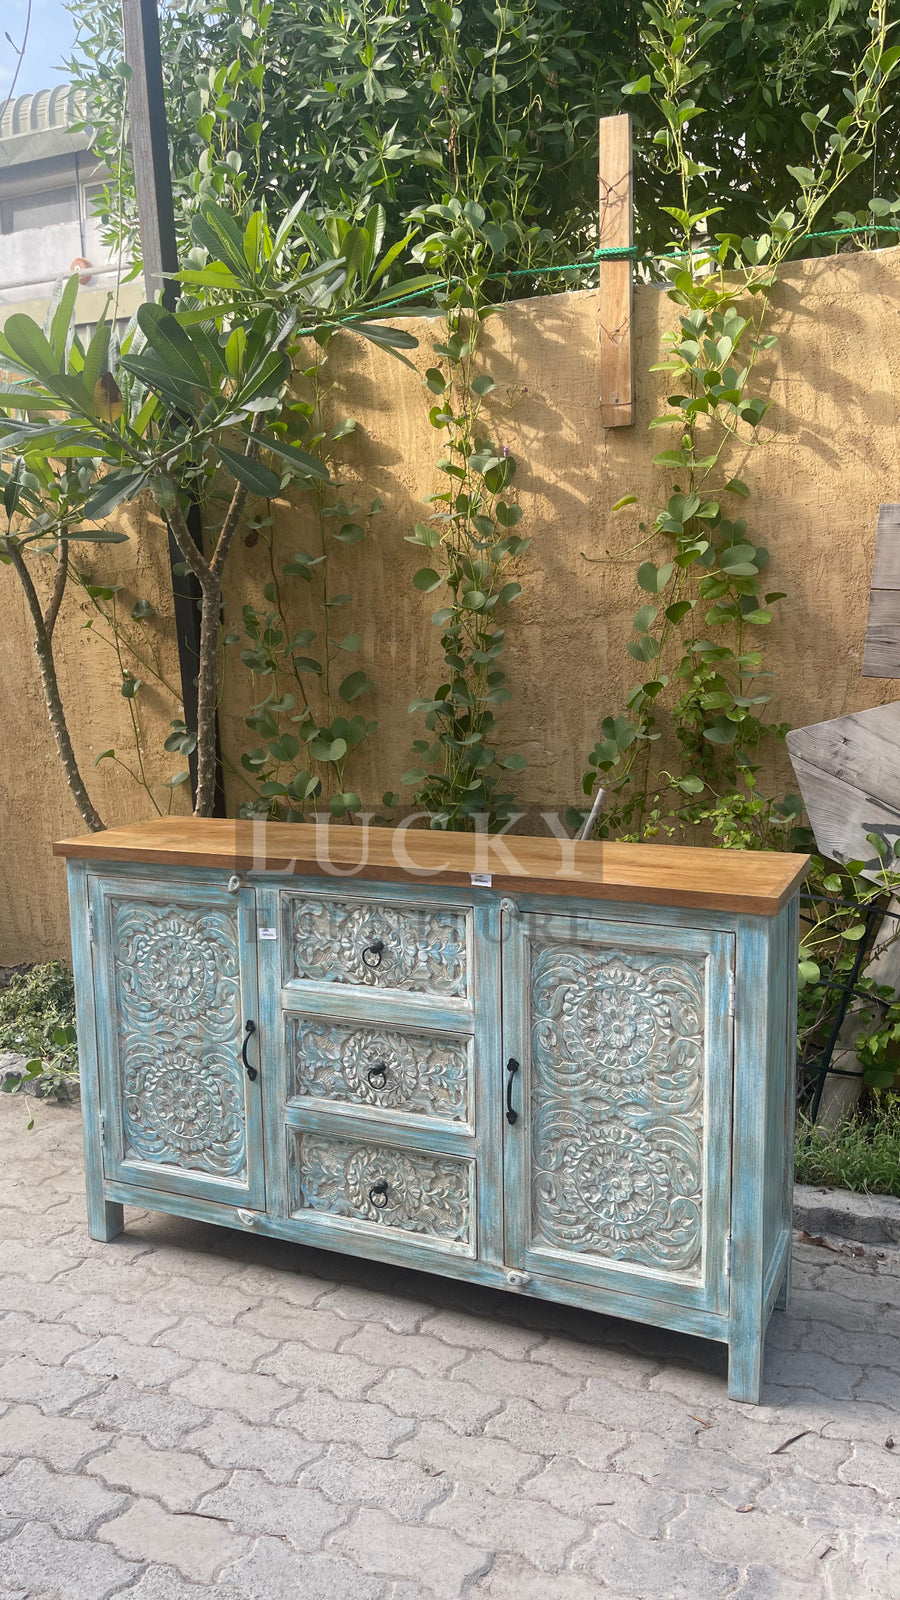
x=745 y=1360
x=106 y=1218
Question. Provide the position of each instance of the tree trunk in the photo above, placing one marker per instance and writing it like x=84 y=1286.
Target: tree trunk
x=52 y=698
x=208 y=695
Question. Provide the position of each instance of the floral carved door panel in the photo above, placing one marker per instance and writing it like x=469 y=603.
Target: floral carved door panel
x=178 y=980
x=617 y=1167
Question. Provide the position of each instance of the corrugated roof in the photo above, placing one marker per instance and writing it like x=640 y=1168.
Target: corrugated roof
x=37 y=113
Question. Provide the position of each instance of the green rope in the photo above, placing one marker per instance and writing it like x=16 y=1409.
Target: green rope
x=615 y=252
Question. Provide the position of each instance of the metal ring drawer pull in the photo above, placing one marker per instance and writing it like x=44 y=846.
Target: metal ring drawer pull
x=377 y=1075
x=376 y=950
x=378 y=1195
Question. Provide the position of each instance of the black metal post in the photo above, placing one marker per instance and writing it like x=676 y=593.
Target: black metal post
x=156 y=213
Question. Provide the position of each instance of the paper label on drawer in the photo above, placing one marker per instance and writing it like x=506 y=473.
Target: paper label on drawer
x=481 y=880
x=268 y=933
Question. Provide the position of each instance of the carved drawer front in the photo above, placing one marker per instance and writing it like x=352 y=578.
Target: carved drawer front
x=380 y=1069
x=411 y=948
x=381 y=1187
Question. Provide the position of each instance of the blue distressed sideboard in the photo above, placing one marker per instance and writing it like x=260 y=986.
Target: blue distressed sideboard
x=561 y=1069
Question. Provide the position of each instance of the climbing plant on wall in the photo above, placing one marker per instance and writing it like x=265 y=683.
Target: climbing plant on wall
x=707 y=598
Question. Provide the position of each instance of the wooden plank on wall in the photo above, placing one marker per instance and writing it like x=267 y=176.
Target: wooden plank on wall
x=848 y=770
x=881 y=658
x=616 y=229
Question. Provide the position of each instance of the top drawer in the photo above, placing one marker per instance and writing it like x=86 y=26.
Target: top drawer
x=416 y=949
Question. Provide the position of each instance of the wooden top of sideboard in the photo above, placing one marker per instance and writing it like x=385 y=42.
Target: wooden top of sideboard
x=758 y=882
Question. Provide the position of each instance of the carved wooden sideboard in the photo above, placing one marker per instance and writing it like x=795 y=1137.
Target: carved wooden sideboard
x=561 y=1069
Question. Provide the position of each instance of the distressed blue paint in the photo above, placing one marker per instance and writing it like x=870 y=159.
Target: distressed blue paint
x=618 y=1016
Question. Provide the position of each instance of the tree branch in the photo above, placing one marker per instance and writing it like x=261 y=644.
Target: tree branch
x=52 y=699
x=59 y=588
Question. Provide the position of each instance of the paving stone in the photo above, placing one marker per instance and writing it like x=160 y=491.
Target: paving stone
x=253 y=1397
x=63 y=1442
x=603 y=1496
x=301 y=1368
x=430 y=1357
x=177 y=1478
x=43 y=1300
x=432 y=1557
x=313 y=1326
x=38 y=1266
x=822 y=1506
x=654 y=1569
x=807 y=1369
x=159 y=1418
x=469 y=1458
x=753 y=1436
x=100 y=1315
x=41 y=1560
x=400 y=1486
x=540 y=1534
x=873 y=1466
x=483 y=1333
x=272 y=1571
x=238 y=1348
x=358 y=1304
x=530 y=1429
x=252 y=1505
x=52 y=1388
x=164 y=1583
x=763 y=1537
x=764 y=1583
x=277 y=1283
x=530 y=1380
x=279 y=1453
x=47 y=1342
x=196 y=1546
x=72 y=1505
x=146 y=1366
x=128 y=1282
x=632 y=1409
x=685 y=1469
x=372 y=1427
x=877 y=1555
x=462 y=1407
x=512 y=1579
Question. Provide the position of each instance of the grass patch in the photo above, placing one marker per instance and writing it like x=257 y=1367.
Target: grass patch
x=862 y=1153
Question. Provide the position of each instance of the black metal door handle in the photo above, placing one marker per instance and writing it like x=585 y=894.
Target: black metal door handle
x=377 y=1075
x=512 y=1067
x=249 y=1031
x=375 y=949
x=378 y=1195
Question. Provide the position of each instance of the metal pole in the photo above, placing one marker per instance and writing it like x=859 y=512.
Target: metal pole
x=156 y=214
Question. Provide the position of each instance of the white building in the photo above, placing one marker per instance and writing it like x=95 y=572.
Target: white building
x=48 y=178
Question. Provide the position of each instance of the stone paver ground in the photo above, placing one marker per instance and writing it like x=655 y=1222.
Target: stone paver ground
x=194 y=1414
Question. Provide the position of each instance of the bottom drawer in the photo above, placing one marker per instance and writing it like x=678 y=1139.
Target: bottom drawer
x=376 y=1186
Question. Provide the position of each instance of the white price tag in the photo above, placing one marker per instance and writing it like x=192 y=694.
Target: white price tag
x=268 y=933
x=481 y=880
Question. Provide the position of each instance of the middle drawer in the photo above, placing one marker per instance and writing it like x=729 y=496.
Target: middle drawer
x=376 y=1067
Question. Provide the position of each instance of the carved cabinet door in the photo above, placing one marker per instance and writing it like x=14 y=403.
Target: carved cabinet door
x=618 y=1053
x=175 y=976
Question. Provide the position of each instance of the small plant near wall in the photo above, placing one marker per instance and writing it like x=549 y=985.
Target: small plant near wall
x=470 y=539
x=193 y=402
x=707 y=597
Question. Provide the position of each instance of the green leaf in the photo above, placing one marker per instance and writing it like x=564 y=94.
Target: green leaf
x=252 y=474
x=110 y=492
x=354 y=685
x=626 y=500
x=427 y=579
x=310 y=465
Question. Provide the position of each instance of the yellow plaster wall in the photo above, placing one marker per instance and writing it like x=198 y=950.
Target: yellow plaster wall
x=817 y=483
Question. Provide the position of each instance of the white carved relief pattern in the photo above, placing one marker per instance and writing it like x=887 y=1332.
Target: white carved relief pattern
x=380 y=1067
x=422 y=1193
x=177 y=987
x=617 y=1104
x=424 y=951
